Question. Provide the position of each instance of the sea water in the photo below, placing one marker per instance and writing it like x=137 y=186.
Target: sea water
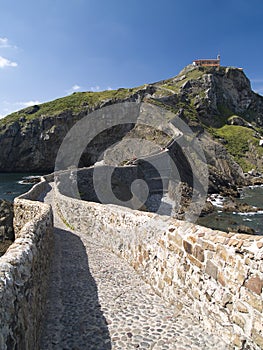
x=14 y=184
x=220 y=220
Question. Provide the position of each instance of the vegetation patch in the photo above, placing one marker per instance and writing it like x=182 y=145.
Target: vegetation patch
x=238 y=140
x=74 y=103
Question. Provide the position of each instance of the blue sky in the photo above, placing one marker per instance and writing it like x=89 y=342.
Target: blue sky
x=49 y=49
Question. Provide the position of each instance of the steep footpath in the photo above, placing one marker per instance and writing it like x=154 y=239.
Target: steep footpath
x=97 y=301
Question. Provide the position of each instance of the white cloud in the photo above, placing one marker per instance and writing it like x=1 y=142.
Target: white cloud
x=74 y=88
x=28 y=103
x=4 y=62
x=4 y=42
x=95 y=88
x=10 y=107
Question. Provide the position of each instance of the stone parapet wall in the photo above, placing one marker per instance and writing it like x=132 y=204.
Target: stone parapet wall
x=24 y=271
x=218 y=275
x=26 y=207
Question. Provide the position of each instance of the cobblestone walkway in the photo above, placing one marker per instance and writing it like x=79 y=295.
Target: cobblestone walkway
x=96 y=301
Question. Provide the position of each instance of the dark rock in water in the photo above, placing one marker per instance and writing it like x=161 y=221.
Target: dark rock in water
x=257 y=181
x=234 y=206
x=207 y=209
x=31 y=180
x=242 y=229
x=245 y=229
x=6 y=221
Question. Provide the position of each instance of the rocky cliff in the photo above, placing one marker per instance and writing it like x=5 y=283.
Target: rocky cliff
x=217 y=103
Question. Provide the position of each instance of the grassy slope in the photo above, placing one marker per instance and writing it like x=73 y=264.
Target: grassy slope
x=75 y=103
x=239 y=140
x=79 y=100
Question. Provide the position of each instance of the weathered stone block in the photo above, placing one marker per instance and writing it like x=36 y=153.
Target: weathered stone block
x=255 y=284
x=188 y=247
x=253 y=300
x=231 y=260
x=161 y=242
x=258 y=323
x=247 y=261
x=176 y=238
x=192 y=239
x=258 y=339
x=195 y=261
x=221 y=278
x=181 y=274
x=219 y=239
x=211 y=269
x=240 y=278
x=222 y=252
x=239 y=320
x=208 y=246
x=238 y=341
x=167 y=278
x=241 y=307
x=227 y=298
x=233 y=242
x=199 y=253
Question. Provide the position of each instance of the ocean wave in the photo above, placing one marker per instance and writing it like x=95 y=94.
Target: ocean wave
x=252 y=187
x=24 y=182
x=250 y=213
x=29 y=178
x=217 y=200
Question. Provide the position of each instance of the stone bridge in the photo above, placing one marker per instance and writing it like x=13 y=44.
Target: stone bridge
x=109 y=277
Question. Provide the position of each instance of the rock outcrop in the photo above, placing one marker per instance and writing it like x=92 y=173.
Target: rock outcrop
x=217 y=103
x=6 y=220
x=7 y=235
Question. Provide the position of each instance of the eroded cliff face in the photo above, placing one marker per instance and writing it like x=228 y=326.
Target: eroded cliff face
x=218 y=105
x=32 y=145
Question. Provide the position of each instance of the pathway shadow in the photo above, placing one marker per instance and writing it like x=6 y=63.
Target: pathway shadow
x=74 y=319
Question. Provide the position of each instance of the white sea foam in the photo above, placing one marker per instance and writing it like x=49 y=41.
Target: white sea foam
x=250 y=213
x=25 y=182
x=252 y=187
x=217 y=200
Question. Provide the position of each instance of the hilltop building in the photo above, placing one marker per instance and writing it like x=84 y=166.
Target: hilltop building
x=208 y=62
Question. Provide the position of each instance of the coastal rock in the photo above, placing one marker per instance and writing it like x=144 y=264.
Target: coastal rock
x=6 y=220
x=207 y=209
x=234 y=206
x=7 y=235
x=245 y=229
x=257 y=181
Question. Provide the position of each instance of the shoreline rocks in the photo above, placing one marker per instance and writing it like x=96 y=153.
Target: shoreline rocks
x=7 y=235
